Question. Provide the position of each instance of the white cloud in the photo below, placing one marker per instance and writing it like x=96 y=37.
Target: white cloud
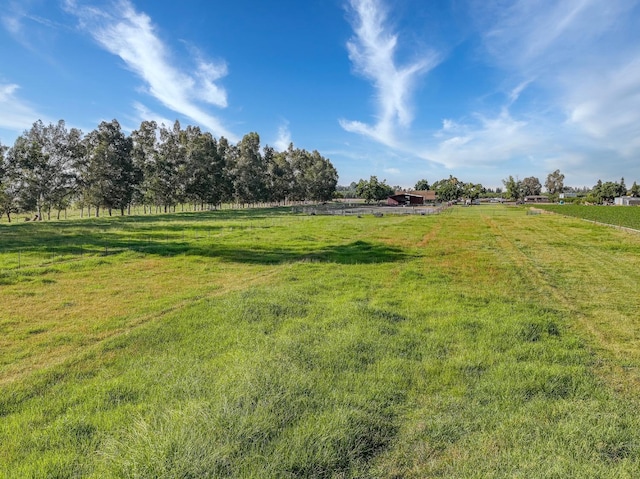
x=372 y=51
x=35 y=33
x=607 y=106
x=568 y=94
x=145 y=114
x=585 y=56
x=12 y=20
x=284 y=137
x=132 y=36
x=208 y=73
x=529 y=36
x=17 y=115
x=578 y=61
x=484 y=142
x=12 y=24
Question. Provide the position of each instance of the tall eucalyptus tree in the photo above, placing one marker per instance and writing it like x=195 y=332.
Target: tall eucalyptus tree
x=249 y=171
x=43 y=161
x=108 y=171
x=167 y=184
x=205 y=167
x=7 y=189
x=145 y=160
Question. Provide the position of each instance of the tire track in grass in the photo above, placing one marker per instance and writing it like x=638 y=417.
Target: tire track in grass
x=617 y=365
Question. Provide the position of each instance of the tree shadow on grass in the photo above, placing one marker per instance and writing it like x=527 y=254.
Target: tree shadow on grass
x=167 y=227
x=357 y=252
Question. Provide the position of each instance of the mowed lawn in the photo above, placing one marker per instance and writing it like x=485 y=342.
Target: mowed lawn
x=482 y=342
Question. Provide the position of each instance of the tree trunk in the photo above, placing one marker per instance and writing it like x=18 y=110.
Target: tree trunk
x=9 y=216
x=97 y=211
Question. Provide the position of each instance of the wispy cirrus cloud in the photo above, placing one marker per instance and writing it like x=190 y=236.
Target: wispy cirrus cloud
x=486 y=141
x=574 y=71
x=33 y=32
x=131 y=35
x=17 y=115
x=12 y=19
x=565 y=91
x=372 y=52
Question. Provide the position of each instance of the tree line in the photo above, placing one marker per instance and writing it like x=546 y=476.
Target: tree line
x=600 y=193
x=50 y=167
x=447 y=189
x=452 y=189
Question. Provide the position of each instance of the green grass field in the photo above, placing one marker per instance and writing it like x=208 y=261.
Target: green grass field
x=627 y=216
x=483 y=342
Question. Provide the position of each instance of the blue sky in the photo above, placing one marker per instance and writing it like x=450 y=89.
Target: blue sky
x=404 y=90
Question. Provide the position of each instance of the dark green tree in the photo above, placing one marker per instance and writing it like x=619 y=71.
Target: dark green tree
x=8 y=197
x=145 y=163
x=448 y=189
x=205 y=168
x=320 y=177
x=472 y=191
x=373 y=190
x=249 y=171
x=554 y=183
x=531 y=186
x=422 y=185
x=513 y=188
x=604 y=192
x=167 y=186
x=280 y=177
x=595 y=195
x=43 y=164
x=622 y=188
x=229 y=153
x=609 y=190
x=109 y=175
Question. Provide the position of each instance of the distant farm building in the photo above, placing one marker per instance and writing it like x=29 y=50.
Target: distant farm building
x=536 y=199
x=627 y=201
x=411 y=198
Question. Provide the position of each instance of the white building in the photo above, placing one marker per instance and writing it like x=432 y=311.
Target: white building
x=626 y=201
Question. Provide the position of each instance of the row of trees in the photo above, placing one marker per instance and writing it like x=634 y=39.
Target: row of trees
x=447 y=189
x=451 y=189
x=554 y=185
x=51 y=167
x=531 y=186
x=607 y=191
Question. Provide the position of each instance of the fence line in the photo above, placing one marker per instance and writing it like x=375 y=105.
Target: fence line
x=352 y=210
